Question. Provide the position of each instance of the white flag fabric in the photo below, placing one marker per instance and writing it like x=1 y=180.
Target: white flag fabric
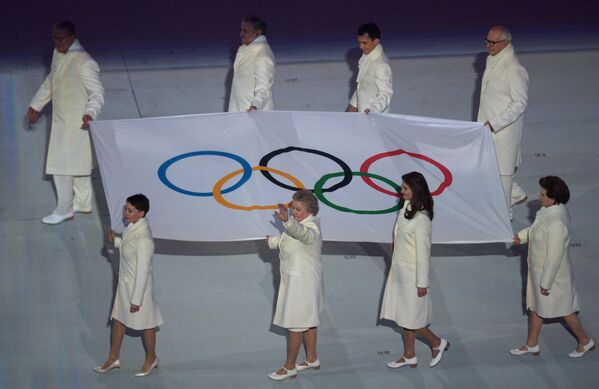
x=218 y=177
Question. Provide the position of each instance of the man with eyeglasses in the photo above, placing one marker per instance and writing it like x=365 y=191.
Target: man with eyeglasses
x=77 y=96
x=503 y=100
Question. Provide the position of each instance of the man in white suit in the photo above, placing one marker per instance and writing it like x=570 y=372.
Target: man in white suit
x=77 y=96
x=254 y=69
x=503 y=100
x=375 y=79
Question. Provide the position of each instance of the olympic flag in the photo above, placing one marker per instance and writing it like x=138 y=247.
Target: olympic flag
x=218 y=177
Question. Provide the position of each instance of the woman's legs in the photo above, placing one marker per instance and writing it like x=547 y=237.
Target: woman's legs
x=576 y=326
x=118 y=332
x=294 y=342
x=310 y=344
x=409 y=343
x=432 y=339
x=535 y=322
x=149 y=342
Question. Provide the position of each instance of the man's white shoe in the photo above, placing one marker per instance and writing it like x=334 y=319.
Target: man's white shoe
x=57 y=219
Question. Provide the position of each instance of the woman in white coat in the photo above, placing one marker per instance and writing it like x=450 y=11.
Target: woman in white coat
x=301 y=299
x=406 y=299
x=134 y=306
x=550 y=291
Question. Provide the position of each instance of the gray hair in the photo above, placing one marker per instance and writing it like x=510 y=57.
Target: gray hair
x=306 y=197
x=504 y=33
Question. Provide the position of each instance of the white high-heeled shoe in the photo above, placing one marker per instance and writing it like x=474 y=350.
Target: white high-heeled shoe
x=587 y=347
x=308 y=365
x=279 y=377
x=412 y=362
x=536 y=350
x=114 y=365
x=150 y=370
x=443 y=346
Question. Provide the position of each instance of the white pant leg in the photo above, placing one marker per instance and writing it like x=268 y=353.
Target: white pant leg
x=82 y=186
x=517 y=193
x=506 y=182
x=64 y=194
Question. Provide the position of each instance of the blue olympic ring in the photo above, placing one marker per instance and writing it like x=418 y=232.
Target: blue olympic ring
x=247 y=172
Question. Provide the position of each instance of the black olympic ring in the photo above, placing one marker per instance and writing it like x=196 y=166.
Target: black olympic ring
x=347 y=172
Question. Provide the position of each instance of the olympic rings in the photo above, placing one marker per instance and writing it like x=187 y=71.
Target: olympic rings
x=219 y=184
x=347 y=173
x=448 y=178
x=247 y=172
x=318 y=192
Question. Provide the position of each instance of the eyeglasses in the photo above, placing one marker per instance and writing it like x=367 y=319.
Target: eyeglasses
x=493 y=43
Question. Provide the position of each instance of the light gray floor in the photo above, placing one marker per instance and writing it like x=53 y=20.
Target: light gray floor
x=57 y=282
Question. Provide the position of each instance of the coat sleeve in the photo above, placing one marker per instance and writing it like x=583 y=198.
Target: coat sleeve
x=523 y=235
x=273 y=242
x=145 y=250
x=43 y=94
x=422 y=245
x=518 y=89
x=305 y=233
x=90 y=77
x=264 y=78
x=384 y=82
x=354 y=99
x=557 y=235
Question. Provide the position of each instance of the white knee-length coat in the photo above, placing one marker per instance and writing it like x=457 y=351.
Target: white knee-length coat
x=375 y=82
x=136 y=283
x=409 y=270
x=74 y=87
x=253 y=77
x=503 y=100
x=549 y=267
x=301 y=293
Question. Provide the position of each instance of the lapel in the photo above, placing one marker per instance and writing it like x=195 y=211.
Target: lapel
x=63 y=61
x=366 y=60
x=246 y=53
x=133 y=230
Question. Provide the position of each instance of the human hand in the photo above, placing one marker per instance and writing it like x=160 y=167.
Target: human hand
x=544 y=292
x=251 y=108
x=134 y=308
x=282 y=214
x=86 y=119
x=422 y=292
x=488 y=124
x=351 y=108
x=111 y=235
x=517 y=240
x=366 y=111
x=32 y=115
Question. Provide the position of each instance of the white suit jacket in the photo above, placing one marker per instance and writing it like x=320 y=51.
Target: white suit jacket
x=74 y=88
x=549 y=264
x=375 y=82
x=136 y=283
x=300 y=300
x=503 y=100
x=253 y=77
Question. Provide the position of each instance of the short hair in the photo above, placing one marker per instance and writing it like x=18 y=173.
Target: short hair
x=67 y=26
x=556 y=189
x=257 y=23
x=139 y=202
x=504 y=33
x=421 y=195
x=306 y=197
x=373 y=31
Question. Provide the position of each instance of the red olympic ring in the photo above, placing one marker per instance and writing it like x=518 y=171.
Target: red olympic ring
x=448 y=178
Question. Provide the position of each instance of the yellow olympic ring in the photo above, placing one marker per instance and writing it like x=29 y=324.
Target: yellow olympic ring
x=219 y=184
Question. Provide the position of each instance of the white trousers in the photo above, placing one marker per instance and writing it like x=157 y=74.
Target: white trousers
x=506 y=182
x=74 y=193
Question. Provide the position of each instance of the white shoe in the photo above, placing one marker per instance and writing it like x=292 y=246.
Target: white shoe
x=57 y=219
x=587 y=347
x=536 y=350
x=114 y=365
x=519 y=200
x=443 y=346
x=149 y=371
x=412 y=362
x=308 y=365
x=279 y=377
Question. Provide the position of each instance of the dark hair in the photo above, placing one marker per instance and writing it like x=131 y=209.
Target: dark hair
x=67 y=26
x=556 y=189
x=139 y=202
x=306 y=197
x=373 y=31
x=257 y=23
x=421 y=195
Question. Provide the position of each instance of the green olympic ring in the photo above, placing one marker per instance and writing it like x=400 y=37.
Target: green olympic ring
x=318 y=192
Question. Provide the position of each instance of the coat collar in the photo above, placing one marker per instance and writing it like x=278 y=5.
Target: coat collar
x=495 y=63
x=246 y=53
x=132 y=228
x=366 y=60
